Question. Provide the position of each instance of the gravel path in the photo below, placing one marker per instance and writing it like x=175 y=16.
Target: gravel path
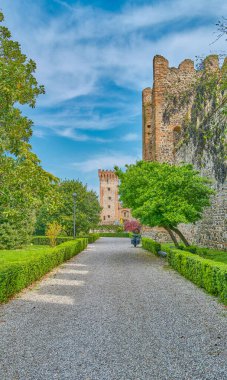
x=113 y=313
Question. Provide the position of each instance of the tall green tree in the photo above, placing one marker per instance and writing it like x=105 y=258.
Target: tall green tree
x=23 y=182
x=87 y=209
x=164 y=195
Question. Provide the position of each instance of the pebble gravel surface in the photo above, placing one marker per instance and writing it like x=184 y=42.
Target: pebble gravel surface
x=113 y=313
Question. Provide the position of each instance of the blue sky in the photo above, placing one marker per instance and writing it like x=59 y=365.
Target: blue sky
x=94 y=58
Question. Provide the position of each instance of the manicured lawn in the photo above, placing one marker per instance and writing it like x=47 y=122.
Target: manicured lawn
x=212 y=254
x=21 y=267
x=8 y=257
x=206 y=253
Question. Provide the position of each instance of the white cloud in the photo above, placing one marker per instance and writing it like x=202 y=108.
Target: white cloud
x=83 y=45
x=38 y=133
x=131 y=137
x=105 y=161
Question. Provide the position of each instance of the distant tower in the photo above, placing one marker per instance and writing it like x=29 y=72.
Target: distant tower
x=112 y=211
x=109 y=196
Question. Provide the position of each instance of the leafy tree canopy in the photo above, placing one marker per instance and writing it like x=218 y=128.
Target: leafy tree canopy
x=164 y=195
x=17 y=85
x=23 y=182
x=87 y=209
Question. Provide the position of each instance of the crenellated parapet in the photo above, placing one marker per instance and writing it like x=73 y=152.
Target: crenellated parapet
x=112 y=211
x=159 y=137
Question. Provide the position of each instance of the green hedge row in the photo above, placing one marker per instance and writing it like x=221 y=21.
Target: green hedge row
x=115 y=234
x=44 y=240
x=92 y=237
x=151 y=245
x=207 y=274
x=18 y=275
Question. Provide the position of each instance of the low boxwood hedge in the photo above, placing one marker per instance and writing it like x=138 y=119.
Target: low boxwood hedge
x=44 y=240
x=15 y=276
x=151 y=245
x=92 y=237
x=115 y=234
x=207 y=274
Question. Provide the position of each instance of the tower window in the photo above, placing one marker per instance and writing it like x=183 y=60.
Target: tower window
x=108 y=206
x=110 y=198
x=108 y=188
x=108 y=216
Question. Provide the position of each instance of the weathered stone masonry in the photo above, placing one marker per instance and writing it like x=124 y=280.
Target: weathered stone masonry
x=112 y=211
x=160 y=140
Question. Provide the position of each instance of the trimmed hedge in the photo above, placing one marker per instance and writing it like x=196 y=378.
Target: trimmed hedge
x=207 y=274
x=151 y=245
x=44 y=240
x=92 y=237
x=18 y=275
x=115 y=234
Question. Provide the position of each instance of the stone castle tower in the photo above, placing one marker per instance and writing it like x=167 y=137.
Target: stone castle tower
x=112 y=211
x=161 y=138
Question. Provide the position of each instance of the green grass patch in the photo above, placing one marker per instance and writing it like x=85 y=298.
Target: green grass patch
x=212 y=254
x=20 y=268
x=206 y=253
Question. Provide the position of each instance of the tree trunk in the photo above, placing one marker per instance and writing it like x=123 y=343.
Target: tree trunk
x=172 y=236
x=181 y=236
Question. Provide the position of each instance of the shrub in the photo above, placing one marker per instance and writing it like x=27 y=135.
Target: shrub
x=132 y=225
x=151 y=245
x=92 y=237
x=52 y=231
x=15 y=276
x=44 y=240
x=207 y=274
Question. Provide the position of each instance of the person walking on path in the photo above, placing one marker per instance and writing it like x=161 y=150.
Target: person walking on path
x=136 y=237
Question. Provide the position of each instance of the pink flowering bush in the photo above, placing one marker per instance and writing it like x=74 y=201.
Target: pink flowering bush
x=131 y=225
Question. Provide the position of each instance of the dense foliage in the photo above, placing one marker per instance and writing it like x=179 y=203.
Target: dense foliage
x=23 y=182
x=87 y=209
x=164 y=195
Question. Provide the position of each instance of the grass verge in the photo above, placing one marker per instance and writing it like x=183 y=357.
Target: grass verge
x=20 y=268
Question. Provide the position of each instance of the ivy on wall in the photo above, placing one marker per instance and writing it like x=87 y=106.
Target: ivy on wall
x=204 y=105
